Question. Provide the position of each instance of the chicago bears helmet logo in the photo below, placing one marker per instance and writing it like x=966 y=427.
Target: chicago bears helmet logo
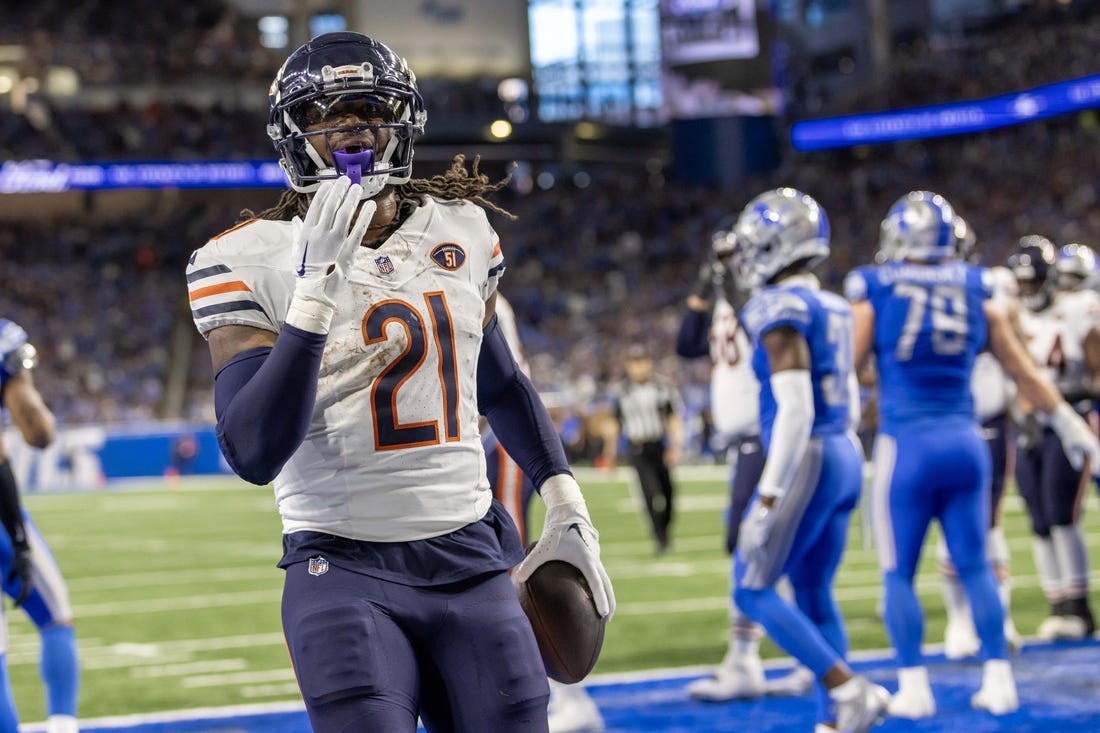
x=318 y=565
x=449 y=256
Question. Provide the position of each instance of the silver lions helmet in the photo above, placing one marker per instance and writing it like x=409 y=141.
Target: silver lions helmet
x=776 y=230
x=1076 y=263
x=922 y=227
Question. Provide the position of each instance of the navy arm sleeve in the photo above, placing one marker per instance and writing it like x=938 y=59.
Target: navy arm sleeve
x=519 y=419
x=693 y=339
x=263 y=399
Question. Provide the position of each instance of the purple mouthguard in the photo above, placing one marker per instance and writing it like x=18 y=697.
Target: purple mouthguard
x=354 y=165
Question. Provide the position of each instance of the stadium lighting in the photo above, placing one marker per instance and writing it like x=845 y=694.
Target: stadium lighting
x=274 y=31
x=500 y=129
x=588 y=131
x=512 y=90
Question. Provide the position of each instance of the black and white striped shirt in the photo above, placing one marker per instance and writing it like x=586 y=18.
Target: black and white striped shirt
x=643 y=409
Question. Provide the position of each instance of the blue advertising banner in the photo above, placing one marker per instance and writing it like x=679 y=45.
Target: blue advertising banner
x=948 y=119
x=90 y=456
x=44 y=176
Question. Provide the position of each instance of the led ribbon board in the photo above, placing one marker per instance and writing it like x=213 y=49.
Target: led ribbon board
x=43 y=176
x=948 y=119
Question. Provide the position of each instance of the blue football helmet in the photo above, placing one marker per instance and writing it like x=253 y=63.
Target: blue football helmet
x=1033 y=266
x=345 y=67
x=776 y=230
x=1075 y=264
x=919 y=226
x=17 y=354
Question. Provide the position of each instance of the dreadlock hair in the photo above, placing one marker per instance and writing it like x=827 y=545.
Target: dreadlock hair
x=456 y=183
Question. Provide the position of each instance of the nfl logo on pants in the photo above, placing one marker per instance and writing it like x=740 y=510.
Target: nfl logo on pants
x=318 y=566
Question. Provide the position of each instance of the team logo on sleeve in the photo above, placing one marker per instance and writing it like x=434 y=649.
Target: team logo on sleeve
x=449 y=256
x=384 y=265
x=318 y=565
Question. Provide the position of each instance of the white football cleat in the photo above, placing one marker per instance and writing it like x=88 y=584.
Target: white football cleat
x=860 y=705
x=824 y=728
x=736 y=678
x=799 y=681
x=960 y=640
x=1048 y=628
x=1066 y=628
x=913 y=699
x=912 y=704
x=573 y=711
x=998 y=691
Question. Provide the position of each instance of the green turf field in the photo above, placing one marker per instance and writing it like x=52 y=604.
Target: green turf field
x=176 y=592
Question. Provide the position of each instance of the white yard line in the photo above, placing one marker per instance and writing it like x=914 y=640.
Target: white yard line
x=239 y=678
x=206 y=666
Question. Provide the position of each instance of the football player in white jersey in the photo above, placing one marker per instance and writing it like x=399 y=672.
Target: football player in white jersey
x=571 y=708
x=28 y=570
x=1060 y=324
x=354 y=346
x=710 y=328
x=993 y=393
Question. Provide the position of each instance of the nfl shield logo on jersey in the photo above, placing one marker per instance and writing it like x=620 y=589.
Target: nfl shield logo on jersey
x=318 y=565
x=384 y=265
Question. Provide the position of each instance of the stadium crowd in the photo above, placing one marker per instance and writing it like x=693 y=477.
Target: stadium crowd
x=580 y=258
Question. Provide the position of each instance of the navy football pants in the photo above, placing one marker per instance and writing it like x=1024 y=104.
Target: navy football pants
x=371 y=654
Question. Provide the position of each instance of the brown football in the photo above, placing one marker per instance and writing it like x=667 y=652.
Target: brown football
x=569 y=631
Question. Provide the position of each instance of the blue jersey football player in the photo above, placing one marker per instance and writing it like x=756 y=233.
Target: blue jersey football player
x=797 y=524
x=925 y=315
x=29 y=573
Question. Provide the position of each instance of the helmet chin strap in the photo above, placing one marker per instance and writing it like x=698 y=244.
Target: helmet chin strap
x=354 y=166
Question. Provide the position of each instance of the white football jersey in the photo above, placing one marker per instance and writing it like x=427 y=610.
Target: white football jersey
x=990 y=387
x=1056 y=335
x=393 y=451
x=734 y=391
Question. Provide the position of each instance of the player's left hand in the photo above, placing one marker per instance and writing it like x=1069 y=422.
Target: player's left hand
x=21 y=570
x=1078 y=441
x=754 y=531
x=568 y=535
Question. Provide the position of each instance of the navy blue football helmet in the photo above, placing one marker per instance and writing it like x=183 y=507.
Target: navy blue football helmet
x=1033 y=265
x=336 y=68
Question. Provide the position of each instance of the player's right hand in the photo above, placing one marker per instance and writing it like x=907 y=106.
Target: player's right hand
x=21 y=570
x=324 y=245
x=1078 y=440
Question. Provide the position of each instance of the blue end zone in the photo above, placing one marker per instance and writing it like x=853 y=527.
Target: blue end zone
x=1059 y=686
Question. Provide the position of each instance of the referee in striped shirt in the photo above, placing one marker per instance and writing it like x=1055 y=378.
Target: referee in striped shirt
x=647 y=413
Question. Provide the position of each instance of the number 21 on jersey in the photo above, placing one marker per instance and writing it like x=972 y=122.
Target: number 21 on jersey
x=389 y=432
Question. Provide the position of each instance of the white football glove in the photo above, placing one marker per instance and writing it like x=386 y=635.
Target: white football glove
x=754 y=532
x=568 y=535
x=1078 y=440
x=324 y=246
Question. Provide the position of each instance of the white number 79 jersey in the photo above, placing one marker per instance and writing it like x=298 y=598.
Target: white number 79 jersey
x=393 y=451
